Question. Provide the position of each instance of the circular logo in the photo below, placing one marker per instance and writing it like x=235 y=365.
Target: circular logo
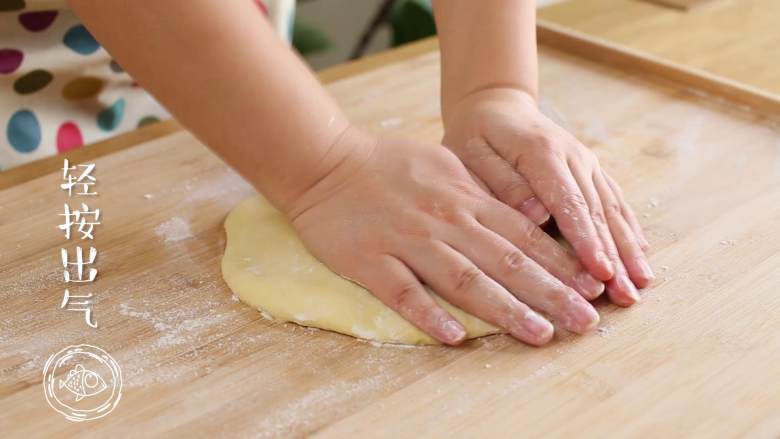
x=82 y=382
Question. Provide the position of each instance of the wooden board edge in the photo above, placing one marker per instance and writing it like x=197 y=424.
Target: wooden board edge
x=38 y=168
x=679 y=5
x=377 y=60
x=30 y=171
x=624 y=58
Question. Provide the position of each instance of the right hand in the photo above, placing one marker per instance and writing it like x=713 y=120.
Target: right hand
x=395 y=214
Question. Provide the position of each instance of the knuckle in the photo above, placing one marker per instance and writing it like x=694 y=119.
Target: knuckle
x=546 y=141
x=613 y=208
x=507 y=314
x=515 y=189
x=563 y=297
x=512 y=261
x=571 y=202
x=533 y=234
x=466 y=278
x=598 y=217
x=404 y=298
x=517 y=162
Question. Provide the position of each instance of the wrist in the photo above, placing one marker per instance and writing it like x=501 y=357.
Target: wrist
x=349 y=152
x=489 y=93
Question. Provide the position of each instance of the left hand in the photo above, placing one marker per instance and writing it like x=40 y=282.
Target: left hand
x=535 y=166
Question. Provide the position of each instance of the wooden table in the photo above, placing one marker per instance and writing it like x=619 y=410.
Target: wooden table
x=736 y=39
x=700 y=357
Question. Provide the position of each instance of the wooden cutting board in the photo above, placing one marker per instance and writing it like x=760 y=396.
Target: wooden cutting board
x=700 y=357
x=737 y=39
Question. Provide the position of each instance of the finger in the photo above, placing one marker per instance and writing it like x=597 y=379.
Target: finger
x=397 y=287
x=504 y=182
x=525 y=279
x=540 y=247
x=458 y=281
x=479 y=182
x=554 y=184
x=627 y=211
x=620 y=290
x=628 y=247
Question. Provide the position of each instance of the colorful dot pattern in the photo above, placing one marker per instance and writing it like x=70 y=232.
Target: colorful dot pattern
x=32 y=82
x=48 y=108
x=10 y=60
x=111 y=117
x=79 y=40
x=84 y=87
x=68 y=137
x=24 y=131
x=37 y=21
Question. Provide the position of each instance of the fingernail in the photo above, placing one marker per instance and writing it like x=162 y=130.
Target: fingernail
x=537 y=325
x=604 y=261
x=629 y=288
x=644 y=268
x=583 y=317
x=453 y=332
x=535 y=211
x=589 y=284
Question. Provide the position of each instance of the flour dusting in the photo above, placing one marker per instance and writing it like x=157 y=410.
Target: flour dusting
x=301 y=412
x=392 y=122
x=176 y=326
x=604 y=331
x=174 y=230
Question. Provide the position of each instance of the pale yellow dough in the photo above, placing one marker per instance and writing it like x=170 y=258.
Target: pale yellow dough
x=268 y=267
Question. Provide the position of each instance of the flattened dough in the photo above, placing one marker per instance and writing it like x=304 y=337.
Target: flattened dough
x=268 y=267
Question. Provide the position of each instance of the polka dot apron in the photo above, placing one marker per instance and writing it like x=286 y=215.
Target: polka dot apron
x=59 y=90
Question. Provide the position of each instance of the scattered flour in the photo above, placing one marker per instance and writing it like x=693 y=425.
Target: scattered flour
x=178 y=326
x=544 y=371
x=186 y=330
x=392 y=122
x=604 y=331
x=265 y=315
x=126 y=310
x=174 y=230
x=299 y=413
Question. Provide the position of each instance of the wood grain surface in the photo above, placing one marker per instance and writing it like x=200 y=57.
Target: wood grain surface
x=736 y=39
x=698 y=358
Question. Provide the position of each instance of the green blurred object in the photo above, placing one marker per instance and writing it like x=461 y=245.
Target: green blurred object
x=412 y=20
x=308 y=39
x=409 y=20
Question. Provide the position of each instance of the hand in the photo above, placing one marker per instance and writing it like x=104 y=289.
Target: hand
x=535 y=166
x=394 y=215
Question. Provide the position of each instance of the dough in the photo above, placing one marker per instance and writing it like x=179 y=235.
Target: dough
x=269 y=268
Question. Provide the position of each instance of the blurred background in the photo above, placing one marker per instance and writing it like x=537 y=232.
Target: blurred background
x=329 y=32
